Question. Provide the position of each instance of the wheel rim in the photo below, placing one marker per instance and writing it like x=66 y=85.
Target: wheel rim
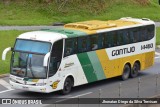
x=135 y=69
x=126 y=72
x=67 y=86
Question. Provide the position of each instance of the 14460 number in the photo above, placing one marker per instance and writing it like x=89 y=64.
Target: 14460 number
x=147 y=46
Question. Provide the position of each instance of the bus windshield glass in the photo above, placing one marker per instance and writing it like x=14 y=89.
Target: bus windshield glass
x=28 y=65
x=32 y=46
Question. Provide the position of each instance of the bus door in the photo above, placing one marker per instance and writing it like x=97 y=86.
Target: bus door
x=56 y=57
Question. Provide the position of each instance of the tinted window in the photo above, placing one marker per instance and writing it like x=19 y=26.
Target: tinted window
x=56 y=56
x=115 y=38
x=136 y=37
x=127 y=37
x=150 y=32
x=121 y=37
x=94 y=42
x=70 y=46
x=143 y=34
x=108 y=40
x=83 y=44
x=101 y=40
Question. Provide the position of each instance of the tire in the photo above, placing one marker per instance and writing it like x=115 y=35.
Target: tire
x=67 y=86
x=135 y=70
x=126 y=72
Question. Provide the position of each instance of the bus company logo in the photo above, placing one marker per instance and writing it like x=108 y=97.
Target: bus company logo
x=68 y=64
x=6 y=101
x=55 y=84
x=123 y=51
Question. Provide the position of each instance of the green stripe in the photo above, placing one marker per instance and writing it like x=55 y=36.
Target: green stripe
x=96 y=65
x=68 y=32
x=87 y=67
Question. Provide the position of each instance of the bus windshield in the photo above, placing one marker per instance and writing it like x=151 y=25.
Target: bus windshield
x=27 y=58
x=28 y=65
x=32 y=46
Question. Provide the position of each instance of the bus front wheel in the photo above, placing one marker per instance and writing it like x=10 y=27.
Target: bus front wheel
x=135 y=70
x=67 y=86
x=126 y=72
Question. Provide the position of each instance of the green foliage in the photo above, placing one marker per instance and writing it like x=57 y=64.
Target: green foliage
x=7 y=39
x=158 y=36
x=45 y=12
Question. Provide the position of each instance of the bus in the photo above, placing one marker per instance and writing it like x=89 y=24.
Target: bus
x=79 y=53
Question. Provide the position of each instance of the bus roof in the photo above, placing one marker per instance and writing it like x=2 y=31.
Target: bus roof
x=78 y=29
x=94 y=26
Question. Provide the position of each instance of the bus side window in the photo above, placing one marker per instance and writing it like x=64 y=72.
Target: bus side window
x=120 y=38
x=143 y=34
x=94 y=42
x=70 y=46
x=108 y=40
x=135 y=35
x=132 y=39
x=127 y=37
x=100 y=41
x=83 y=44
x=115 y=38
x=150 y=32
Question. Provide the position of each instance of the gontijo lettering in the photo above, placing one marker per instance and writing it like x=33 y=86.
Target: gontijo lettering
x=123 y=51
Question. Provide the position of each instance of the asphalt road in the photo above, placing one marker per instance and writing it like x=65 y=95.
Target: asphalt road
x=39 y=27
x=110 y=88
x=27 y=27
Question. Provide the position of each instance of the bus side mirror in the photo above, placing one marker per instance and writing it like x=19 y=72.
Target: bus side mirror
x=5 y=53
x=45 y=61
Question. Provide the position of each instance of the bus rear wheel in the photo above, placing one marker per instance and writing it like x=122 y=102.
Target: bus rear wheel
x=67 y=86
x=126 y=72
x=135 y=70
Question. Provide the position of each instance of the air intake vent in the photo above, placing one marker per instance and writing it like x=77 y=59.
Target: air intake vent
x=91 y=25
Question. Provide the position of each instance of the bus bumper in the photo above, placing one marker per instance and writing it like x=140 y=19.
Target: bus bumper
x=41 y=89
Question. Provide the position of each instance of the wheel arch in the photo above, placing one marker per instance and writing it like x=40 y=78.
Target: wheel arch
x=138 y=61
x=125 y=75
x=128 y=63
x=68 y=76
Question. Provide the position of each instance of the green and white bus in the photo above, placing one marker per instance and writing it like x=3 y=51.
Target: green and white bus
x=80 y=53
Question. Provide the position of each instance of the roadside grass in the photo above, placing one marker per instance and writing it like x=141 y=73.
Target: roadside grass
x=28 y=12
x=7 y=39
x=158 y=36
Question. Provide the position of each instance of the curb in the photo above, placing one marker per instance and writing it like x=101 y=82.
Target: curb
x=4 y=75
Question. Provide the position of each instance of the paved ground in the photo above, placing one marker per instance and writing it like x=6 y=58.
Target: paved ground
x=38 y=27
x=109 y=89
x=27 y=27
